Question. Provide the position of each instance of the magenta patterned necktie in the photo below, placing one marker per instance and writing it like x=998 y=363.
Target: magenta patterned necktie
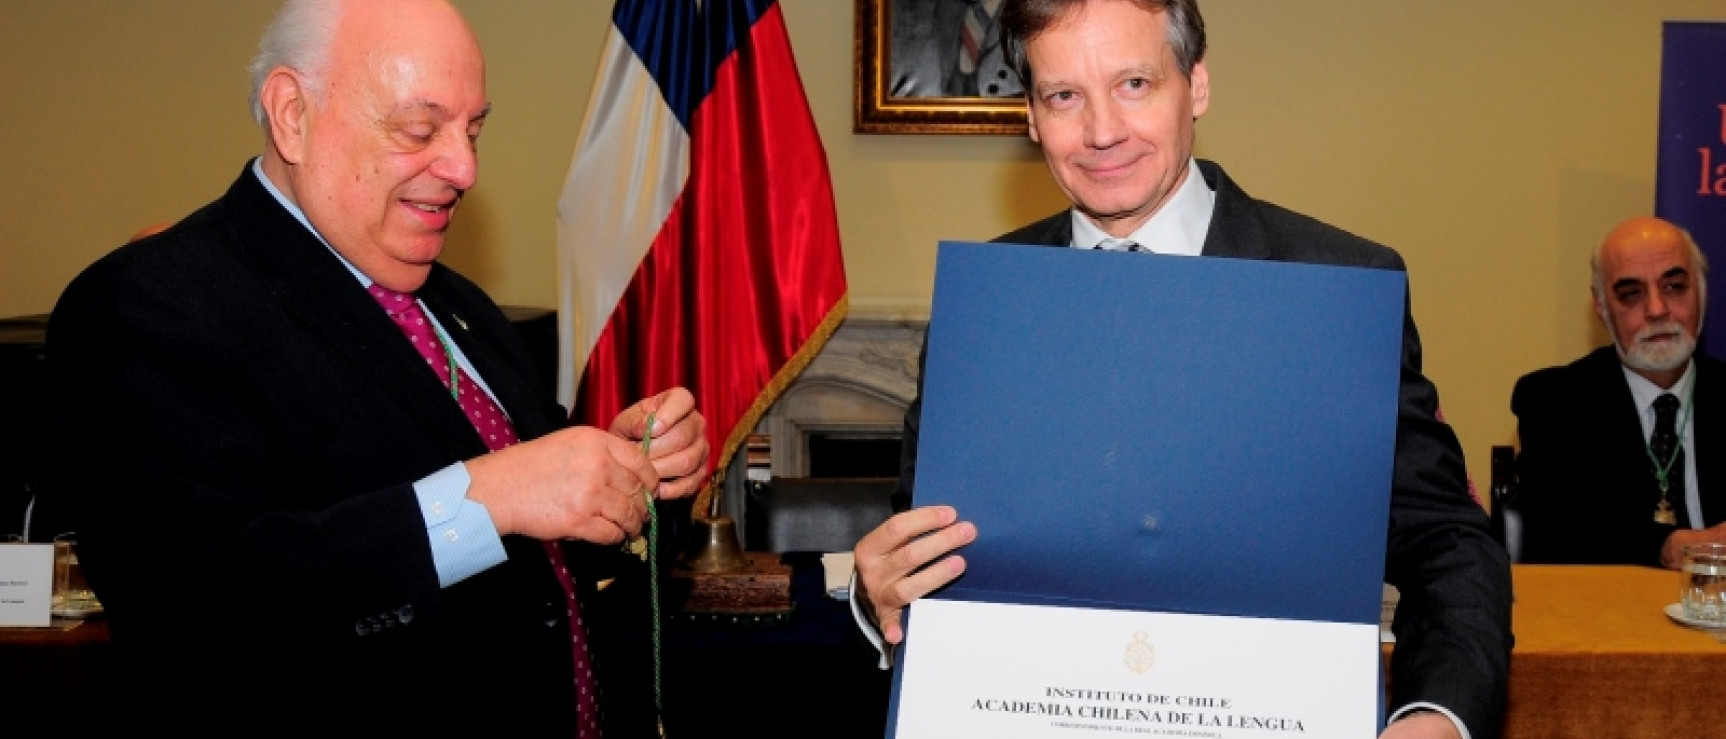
x=498 y=433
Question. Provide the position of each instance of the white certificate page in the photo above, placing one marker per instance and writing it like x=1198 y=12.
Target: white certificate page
x=1006 y=670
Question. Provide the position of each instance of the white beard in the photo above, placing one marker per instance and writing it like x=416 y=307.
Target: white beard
x=1660 y=356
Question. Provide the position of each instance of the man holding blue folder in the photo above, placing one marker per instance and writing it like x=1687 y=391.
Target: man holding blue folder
x=1113 y=90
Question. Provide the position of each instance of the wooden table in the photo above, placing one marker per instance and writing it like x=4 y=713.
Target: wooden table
x=56 y=677
x=718 y=680
x=1596 y=656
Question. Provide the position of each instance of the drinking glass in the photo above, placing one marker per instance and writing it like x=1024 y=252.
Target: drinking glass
x=1702 y=588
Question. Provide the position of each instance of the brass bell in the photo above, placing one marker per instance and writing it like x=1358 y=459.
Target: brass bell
x=719 y=550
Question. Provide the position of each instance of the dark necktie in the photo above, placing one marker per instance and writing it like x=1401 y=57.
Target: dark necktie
x=1668 y=453
x=497 y=431
x=1113 y=244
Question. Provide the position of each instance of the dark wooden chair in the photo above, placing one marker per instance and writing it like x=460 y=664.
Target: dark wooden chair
x=1506 y=520
x=815 y=514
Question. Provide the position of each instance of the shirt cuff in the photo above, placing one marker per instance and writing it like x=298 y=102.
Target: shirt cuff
x=1435 y=708
x=464 y=541
x=866 y=624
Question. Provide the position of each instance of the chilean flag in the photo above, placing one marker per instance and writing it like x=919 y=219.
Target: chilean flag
x=697 y=239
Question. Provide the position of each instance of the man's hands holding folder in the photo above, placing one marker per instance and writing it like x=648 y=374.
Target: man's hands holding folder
x=906 y=558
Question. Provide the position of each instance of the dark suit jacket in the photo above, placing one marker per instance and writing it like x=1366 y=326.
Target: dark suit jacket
x=242 y=426
x=1585 y=486
x=1453 y=624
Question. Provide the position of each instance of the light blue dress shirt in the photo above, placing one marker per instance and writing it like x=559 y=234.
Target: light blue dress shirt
x=464 y=541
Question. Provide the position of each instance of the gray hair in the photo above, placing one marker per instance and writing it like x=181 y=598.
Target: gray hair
x=1023 y=20
x=298 y=38
x=1698 y=262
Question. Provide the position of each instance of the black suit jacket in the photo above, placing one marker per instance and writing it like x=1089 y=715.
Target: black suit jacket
x=1585 y=486
x=1453 y=624
x=242 y=426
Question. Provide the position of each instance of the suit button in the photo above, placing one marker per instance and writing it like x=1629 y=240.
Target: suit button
x=405 y=614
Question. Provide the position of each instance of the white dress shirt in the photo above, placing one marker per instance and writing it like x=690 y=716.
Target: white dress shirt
x=1645 y=393
x=1178 y=228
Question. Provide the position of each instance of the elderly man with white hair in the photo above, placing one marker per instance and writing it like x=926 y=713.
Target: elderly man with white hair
x=1621 y=448
x=321 y=487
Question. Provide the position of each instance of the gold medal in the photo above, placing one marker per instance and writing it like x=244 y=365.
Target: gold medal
x=1663 y=514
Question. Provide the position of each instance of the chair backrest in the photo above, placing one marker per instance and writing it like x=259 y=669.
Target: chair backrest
x=1506 y=520
x=815 y=514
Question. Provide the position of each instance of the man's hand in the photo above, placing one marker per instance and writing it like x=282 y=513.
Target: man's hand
x=679 y=450
x=888 y=560
x=1672 y=552
x=1423 y=725
x=577 y=483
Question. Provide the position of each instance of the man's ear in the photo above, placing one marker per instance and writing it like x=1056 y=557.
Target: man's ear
x=1031 y=119
x=283 y=98
x=1200 y=82
x=1600 y=308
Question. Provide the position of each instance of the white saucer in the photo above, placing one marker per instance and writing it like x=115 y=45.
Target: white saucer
x=1675 y=611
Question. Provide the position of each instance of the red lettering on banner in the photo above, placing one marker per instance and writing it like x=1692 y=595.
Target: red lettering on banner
x=1713 y=177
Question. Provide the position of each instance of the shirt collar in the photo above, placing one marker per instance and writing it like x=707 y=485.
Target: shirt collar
x=1179 y=227
x=1645 y=392
x=300 y=215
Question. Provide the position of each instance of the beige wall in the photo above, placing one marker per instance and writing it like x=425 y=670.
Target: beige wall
x=1490 y=142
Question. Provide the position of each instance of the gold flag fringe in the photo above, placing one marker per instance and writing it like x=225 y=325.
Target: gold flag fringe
x=709 y=497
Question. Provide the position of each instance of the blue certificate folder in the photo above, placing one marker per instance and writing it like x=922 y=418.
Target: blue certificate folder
x=1141 y=432
x=1173 y=434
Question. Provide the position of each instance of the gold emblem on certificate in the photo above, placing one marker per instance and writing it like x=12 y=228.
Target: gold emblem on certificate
x=1140 y=654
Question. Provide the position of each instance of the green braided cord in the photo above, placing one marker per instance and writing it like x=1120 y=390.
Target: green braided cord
x=653 y=581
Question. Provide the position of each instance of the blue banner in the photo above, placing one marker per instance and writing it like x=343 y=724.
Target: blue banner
x=1690 y=187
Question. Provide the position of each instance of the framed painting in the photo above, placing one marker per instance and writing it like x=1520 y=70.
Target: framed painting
x=934 y=66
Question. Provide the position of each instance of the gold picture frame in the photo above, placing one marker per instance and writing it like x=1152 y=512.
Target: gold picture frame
x=923 y=108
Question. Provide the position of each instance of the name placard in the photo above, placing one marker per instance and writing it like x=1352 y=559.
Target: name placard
x=26 y=584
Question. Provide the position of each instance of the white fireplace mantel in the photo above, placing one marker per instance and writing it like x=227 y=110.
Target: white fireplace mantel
x=858 y=386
